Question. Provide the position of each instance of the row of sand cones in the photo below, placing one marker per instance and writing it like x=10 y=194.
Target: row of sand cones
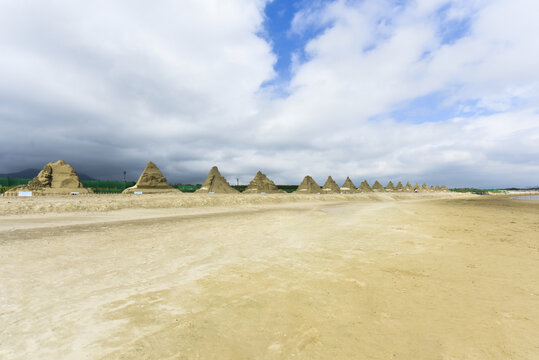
x=60 y=178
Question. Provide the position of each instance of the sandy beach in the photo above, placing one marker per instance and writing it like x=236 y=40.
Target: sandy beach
x=368 y=276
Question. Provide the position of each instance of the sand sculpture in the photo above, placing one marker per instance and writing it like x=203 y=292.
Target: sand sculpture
x=416 y=187
x=364 y=187
x=424 y=187
x=444 y=188
x=151 y=181
x=330 y=187
x=348 y=187
x=56 y=178
x=261 y=184
x=216 y=183
x=308 y=186
x=408 y=187
x=399 y=187
x=377 y=186
x=390 y=186
x=437 y=188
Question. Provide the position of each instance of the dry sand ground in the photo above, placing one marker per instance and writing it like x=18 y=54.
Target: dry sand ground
x=412 y=276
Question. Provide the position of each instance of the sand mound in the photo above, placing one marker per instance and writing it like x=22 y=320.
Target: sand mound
x=308 y=186
x=390 y=186
x=424 y=187
x=261 y=184
x=56 y=178
x=399 y=187
x=408 y=187
x=151 y=181
x=444 y=188
x=377 y=186
x=330 y=187
x=348 y=187
x=416 y=187
x=364 y=187
x=216 y=183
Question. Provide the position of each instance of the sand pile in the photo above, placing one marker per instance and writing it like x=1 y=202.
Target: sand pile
x=416 y=187
x=330 y=187
x=377 y=186
x=399 y=187
x=348 y=187
x=308 y=186
x=216 y=183
x=424 y=187
x=390 y=186
x=364 y=187
x=56 y=178
x=261 y=184
x=408 y=187
x=444 y=188
x=151 y=181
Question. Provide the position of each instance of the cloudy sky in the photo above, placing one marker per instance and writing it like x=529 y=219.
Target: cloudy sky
x=436 y=91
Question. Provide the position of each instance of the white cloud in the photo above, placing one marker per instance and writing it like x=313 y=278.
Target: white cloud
x=119 y=83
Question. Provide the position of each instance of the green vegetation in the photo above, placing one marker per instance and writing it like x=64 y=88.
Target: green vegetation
x=107 y=186
x=477 y=191
x=10 y=182
x=288 y=188
x=240 y=188
x=187 y=188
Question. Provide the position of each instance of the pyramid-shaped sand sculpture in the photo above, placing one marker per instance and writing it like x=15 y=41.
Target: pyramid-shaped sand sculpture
x=444 y=188
x=424 y=187
x=151 y=181
x=56 y=178
x=390 y=186
x=262 y=185
x=399 y=187
x=348 y=187
x=364 y=187
x=417 y=187
x=408 y=187
x=330 y=187
x=215 y=183
x=437 y=188
x=377 y=187
x=308 y=186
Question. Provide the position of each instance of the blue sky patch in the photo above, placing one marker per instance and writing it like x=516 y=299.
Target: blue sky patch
x=279 y=16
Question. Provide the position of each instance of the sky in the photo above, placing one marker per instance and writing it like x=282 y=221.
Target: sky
x=435 y=91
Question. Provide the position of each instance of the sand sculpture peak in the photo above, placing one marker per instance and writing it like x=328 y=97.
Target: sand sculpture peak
x=377 y=186
x=56 y=178
x=364 y=187
x=262 y=184
x=216 y=183
x=151 y=181
x=348 y=186
x=308 y=186
x=390 y=186
x=408 y=187
x=330 y=187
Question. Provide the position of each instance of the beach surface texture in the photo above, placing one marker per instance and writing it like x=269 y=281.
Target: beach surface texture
x=275 y=276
